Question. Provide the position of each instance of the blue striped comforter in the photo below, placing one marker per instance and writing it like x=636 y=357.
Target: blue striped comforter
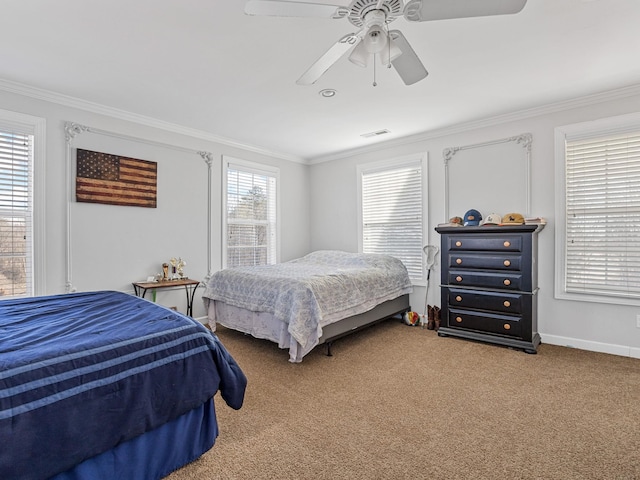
x=81 y=373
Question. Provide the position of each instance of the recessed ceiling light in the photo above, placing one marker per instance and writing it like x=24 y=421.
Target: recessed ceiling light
x=327 y=93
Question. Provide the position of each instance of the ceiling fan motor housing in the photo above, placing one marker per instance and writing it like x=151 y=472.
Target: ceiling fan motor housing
x=359 y=9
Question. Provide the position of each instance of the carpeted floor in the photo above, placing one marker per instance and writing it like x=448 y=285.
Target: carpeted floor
x=399 y=402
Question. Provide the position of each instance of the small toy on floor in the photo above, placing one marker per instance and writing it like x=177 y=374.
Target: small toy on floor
x=411 y=318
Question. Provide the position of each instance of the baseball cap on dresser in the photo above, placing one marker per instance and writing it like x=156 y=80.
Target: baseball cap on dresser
x=472 y=218
x=512 y=219
x=492 y=219
x=453 y=222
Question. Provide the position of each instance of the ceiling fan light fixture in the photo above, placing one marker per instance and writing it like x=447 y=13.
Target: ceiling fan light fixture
x=360 y=55
x=375 y=40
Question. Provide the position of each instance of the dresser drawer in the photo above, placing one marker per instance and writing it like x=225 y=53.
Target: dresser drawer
x=497 y=280
x=485 y=242
x=485 y=261
x=509 y=325
x=512 y=303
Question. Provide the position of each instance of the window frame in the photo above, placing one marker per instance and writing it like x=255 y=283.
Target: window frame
x=586 y=130
x=36 y=126
x=232 y=163
x=420 y=160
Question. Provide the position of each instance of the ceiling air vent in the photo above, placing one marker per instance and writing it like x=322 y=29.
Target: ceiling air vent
x=375 y=134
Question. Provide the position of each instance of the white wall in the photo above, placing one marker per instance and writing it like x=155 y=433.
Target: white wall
x=599 y=327
x=112 y=246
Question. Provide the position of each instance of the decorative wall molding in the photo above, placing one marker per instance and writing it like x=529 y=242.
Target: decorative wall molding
x=208 y=158
x=73 y=130
x=524 y=140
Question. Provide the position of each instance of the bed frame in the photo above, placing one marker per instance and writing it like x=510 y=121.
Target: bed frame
x=330 y=332
x=349 y=325
x=308 y=301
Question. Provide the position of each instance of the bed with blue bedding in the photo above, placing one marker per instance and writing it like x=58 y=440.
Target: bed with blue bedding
x=310 y=300
x=105 y=385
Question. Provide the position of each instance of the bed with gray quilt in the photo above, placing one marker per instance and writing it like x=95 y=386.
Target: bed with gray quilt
x=308 y=301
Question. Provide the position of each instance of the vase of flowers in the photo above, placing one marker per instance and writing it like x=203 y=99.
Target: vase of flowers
x=180 y=267
x=177 y=268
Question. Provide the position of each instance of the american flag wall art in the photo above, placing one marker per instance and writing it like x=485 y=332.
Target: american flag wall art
x=115 y=180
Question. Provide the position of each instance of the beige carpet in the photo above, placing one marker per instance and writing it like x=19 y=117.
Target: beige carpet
x=398 y=402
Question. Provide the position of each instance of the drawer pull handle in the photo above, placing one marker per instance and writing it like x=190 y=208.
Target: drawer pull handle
x=458 y=278
x=507 y=263
x=459 y=319
x=507 y=243
x=458 y=298
x=507 y=326
x=458 y=243
x=458 y=261
x=507 y=282
x=507 y=303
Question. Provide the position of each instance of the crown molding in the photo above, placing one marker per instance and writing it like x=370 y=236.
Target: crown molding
x=73 y=102
x=555 y=107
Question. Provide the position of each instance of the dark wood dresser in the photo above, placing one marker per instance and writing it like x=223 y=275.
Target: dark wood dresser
x=489 y=284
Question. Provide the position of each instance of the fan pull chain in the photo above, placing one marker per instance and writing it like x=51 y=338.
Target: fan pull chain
x=375 y=84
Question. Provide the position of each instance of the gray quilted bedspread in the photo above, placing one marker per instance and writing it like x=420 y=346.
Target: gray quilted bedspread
x=305 y=292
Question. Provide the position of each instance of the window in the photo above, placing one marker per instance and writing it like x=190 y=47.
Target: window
x=17 y=158
x=391 y=212
x=251 y=214
x=598 y=245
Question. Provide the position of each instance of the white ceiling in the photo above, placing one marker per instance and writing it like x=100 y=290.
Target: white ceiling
x=204 y=65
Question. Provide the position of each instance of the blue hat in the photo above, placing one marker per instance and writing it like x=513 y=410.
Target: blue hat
x=472 y=217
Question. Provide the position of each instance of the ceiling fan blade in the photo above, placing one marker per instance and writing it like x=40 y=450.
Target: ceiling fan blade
x=339 y=49
x=425 y=10
x=276 y=8
x=408 y=65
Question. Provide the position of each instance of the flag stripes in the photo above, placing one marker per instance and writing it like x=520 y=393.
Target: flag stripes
x=115 y=180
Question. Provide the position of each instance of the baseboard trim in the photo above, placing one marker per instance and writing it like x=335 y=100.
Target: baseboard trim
x=203 y=320
x=621 y=350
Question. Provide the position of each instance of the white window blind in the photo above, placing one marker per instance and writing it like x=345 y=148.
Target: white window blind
x=16 y=213
x=603 y=215
x=392 y=215
x=251 y=216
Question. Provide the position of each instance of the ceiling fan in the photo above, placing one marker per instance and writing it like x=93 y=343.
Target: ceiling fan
x=373 y=37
